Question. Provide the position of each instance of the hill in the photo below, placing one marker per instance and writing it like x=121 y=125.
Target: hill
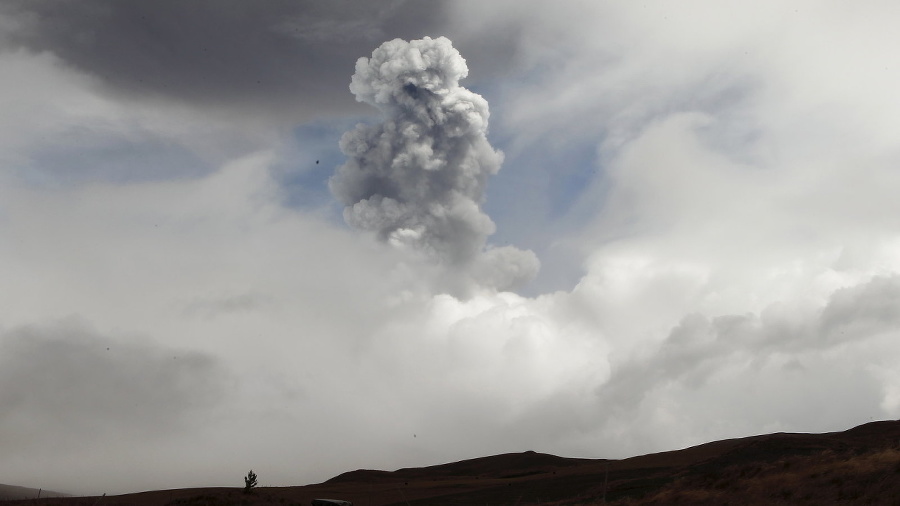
x=10 y=492
x=860 y=465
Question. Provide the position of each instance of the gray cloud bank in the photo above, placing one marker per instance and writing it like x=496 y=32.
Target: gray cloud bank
x=278 y=58
x=75 y=402
x=65 y=385
x=695 y=350
x=418 y=178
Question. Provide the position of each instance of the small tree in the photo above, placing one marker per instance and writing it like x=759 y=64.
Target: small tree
x=249 y=481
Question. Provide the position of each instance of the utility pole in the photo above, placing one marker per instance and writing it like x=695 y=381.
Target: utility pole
x=605 y=481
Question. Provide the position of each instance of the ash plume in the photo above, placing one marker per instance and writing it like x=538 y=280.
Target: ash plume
x=418 y=178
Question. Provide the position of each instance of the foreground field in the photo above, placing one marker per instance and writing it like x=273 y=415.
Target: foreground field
x=861 y=466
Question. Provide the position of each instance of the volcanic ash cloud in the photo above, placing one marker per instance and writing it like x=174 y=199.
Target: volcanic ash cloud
x=418 y=178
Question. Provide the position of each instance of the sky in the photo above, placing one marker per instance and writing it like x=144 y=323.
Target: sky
x=306 y=237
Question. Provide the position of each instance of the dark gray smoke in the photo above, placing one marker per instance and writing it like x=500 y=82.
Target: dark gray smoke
x=418 y=178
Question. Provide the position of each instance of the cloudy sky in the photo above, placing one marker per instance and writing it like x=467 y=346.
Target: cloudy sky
x=593 y=229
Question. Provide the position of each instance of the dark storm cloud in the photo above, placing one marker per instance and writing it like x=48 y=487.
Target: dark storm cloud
x=698 y=346
x=862 y=310
x=215 y=307
x=65 y=384
x=280 y=55
x=418 y=178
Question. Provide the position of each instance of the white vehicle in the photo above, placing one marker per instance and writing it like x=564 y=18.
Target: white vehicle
x=331 y=502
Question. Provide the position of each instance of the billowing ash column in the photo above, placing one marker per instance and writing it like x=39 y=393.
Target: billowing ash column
x=418 y=178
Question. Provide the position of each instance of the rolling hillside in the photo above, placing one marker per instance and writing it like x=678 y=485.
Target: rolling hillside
x=857 y=466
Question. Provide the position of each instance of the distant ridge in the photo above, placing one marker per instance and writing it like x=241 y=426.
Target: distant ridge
x=12 y=492
x=495 y=466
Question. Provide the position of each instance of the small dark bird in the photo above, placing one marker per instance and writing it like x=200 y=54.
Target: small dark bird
x=317 y=162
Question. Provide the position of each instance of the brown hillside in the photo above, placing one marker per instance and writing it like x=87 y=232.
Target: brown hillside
x=861 y=465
